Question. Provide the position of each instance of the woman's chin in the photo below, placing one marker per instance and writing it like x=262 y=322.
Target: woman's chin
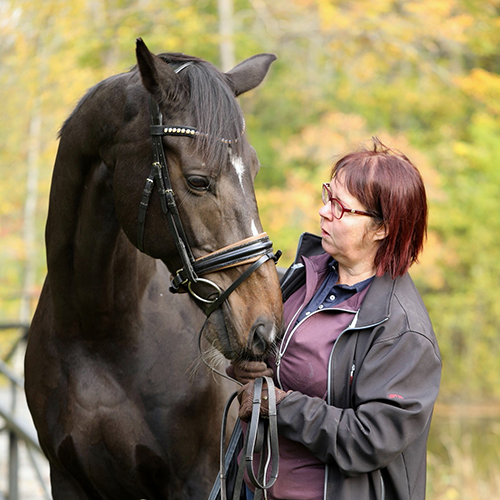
x=327 y=247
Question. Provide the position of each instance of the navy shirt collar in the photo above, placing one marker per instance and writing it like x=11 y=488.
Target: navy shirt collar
x=330 y=294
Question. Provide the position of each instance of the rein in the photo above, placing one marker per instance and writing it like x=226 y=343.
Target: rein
x=261 y=437
x=255 y=250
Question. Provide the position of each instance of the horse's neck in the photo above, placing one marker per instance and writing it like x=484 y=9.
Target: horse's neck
x=96 y=281
x=105 y=263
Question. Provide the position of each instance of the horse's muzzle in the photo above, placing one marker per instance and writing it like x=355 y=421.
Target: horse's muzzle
x=261 y=337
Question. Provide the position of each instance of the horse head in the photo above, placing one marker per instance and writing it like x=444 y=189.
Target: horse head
x=183 y=190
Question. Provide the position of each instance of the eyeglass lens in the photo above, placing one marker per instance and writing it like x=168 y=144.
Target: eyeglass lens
x=336 y=207
x=325 y=195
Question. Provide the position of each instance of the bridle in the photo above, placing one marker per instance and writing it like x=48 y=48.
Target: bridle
x=255 y=250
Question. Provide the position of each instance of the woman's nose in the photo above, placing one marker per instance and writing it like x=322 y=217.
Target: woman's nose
x=326 y=210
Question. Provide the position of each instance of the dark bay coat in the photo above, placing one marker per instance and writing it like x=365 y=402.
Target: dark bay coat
x=384 y=377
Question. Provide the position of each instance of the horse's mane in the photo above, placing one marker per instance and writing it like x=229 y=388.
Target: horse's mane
x=213 y=105
x=214 y=109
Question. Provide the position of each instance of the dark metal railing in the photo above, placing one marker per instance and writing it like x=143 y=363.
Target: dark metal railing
x=18 y=430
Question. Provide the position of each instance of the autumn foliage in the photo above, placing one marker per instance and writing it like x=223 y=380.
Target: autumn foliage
x=422 y=75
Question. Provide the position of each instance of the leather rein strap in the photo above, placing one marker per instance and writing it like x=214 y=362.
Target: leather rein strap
x=261 y=437
x=255 y=435
x=255 y=250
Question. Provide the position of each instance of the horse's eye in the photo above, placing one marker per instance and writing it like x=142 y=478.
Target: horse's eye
x=198 y=183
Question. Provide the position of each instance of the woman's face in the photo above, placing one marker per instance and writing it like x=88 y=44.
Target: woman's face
x=354 y=239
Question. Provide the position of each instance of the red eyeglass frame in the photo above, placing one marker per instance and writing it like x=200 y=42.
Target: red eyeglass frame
x=326 y=188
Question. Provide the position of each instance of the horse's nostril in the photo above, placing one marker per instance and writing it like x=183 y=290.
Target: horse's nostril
x=260 y=338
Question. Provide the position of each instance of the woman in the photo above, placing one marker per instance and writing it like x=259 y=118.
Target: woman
x=358 y=367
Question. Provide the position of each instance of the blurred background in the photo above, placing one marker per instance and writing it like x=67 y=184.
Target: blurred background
x=423 y=76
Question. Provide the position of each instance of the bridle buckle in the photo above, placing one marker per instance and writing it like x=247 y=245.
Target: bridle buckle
x=208 y=282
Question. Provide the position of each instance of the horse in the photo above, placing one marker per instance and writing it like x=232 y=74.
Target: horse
x=152 y=193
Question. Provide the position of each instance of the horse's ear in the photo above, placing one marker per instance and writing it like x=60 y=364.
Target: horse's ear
x=157 y=76
x=249 y=73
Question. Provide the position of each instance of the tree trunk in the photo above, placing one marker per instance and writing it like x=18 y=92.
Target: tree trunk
x=226 y=31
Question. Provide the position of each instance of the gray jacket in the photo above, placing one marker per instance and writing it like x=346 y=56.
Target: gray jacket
x=384 y=377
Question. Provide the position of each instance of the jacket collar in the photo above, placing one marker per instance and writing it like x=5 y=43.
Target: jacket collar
x=376 y=306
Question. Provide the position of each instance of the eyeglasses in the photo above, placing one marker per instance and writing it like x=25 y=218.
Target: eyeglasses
x=338 y=209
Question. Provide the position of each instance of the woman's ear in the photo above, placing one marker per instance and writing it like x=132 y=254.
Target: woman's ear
x=380 y=232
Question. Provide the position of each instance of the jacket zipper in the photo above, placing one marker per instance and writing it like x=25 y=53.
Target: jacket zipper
x=352 y=326
x=382 y=486
x=281 y=352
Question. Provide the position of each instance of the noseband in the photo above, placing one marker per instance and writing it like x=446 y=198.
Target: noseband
x=255 y=250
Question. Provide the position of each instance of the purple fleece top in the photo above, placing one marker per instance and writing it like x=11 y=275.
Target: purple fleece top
x=304 y=368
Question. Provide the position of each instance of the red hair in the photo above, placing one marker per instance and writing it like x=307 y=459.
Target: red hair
x=388 y=184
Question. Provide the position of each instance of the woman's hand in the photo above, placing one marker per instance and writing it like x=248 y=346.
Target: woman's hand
x=246 y=371
x=245 y=397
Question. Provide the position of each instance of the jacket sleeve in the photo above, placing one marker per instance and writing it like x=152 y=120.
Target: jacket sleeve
x=394 y=394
